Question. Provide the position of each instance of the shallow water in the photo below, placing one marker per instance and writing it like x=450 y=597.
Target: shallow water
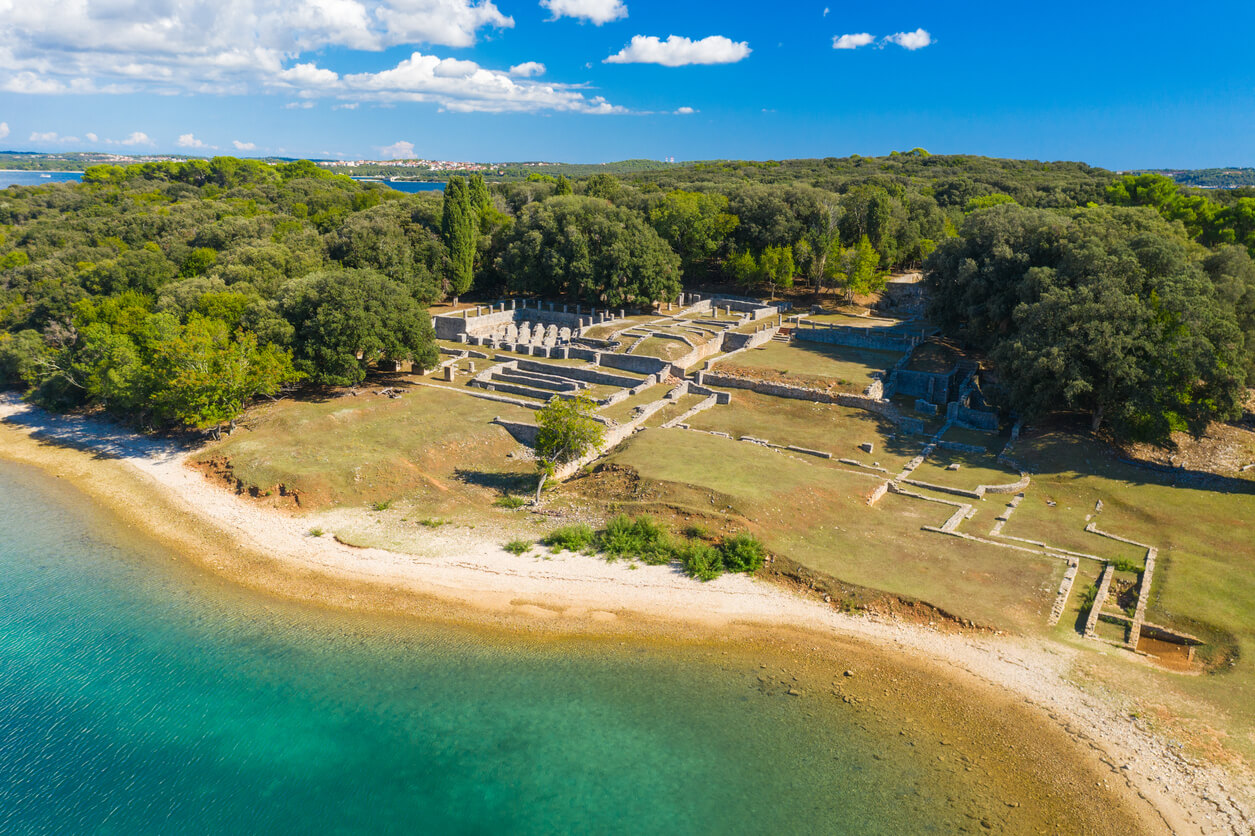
x=139 y=695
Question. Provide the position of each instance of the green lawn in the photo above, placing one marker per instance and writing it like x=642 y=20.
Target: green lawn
x=818 y=516
x=974 y=469
x=432 y=448
x=816 y=363
x=834 y=429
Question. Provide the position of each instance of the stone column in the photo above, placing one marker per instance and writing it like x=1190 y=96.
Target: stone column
x=448 y=372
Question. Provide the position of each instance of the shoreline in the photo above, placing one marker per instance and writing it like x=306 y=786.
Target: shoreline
x=146 y=483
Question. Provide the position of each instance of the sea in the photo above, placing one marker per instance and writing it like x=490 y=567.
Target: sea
x=43 y=178
x=140 y=695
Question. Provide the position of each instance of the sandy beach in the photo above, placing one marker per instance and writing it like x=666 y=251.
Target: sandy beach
x=466 y=578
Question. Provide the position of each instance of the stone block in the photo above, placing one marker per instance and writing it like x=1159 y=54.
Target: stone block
x=867 y=447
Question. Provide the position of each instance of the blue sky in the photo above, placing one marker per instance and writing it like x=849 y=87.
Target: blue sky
x=1156 y=85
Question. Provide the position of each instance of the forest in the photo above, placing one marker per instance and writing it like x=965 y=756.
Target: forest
x=173 y=293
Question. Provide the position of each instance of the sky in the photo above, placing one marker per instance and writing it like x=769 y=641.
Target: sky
x=1151 y=85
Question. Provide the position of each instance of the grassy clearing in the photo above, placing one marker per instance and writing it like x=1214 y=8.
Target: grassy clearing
x=835 y=429
x=428 y=451
x=974 y=469
x=622 y=411
x=662 y=348
x=818 y=517
x=682 y=405
x=807 y=363
x=1203 y=584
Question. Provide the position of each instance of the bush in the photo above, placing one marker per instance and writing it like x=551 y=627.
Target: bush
x=701 y=561
x=510 y=502
x=742 y=553
x=383 y=505
x=433 y=522
x=316 y=532
x=640 y=538
x=572 y=538
x=518 y=547
x=697 y=532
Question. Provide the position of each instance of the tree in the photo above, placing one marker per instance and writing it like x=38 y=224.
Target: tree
x=777 y=268
x=200 y=376
x=566 y=431
x=345 y=320
x=564 y=186
x=857 y=270
x=459 y=229
x=695 y=224
x=584 y=249
x=1103 y=311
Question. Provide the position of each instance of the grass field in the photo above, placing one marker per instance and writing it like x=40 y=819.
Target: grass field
x=834 y=429
x=974 y=469
x=818 y=516
x=817 y=363
x=434 y=450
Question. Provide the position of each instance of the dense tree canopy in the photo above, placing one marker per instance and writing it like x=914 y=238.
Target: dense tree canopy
x=585 y=249
x=1103 y=310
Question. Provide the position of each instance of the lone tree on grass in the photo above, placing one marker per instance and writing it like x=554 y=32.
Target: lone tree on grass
x=567 y=431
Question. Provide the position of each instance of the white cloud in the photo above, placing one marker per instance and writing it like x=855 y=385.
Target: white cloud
x=911 y=40
x=465 y=86
x=244 y=146
x=91 y=137
x=676 y=51
x=52 y=136
x=175 y=47
x=826 y=10
x=527 y=69
x=399 y=151
x=853 y=41
x=4 y=130
x=137 y=138
x=345 y=106
x=594 y=11
x=305 y=105
x=188 y=141
x=685 y=111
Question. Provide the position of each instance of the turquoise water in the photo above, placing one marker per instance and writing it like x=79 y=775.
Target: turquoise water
x=138 y=695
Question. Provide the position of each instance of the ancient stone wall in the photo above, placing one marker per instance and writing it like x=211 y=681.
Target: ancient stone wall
x=877 y=338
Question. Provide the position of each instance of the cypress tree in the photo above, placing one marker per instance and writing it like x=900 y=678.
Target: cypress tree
x=458 y=229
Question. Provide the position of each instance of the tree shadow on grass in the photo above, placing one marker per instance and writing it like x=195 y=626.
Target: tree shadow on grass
x=504 y=483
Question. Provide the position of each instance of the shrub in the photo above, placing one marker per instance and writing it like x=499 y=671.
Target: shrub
x=572 y=538
x=433 y=522
x=697 y=532
x=701 y=561
x=510 y=502
x=316 y=532
x=383 y=505
x=518 y=547
x=742 y=553
x=639 y=538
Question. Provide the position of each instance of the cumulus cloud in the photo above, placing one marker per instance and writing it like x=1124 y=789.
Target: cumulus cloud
x=187 y=141
x=594 y=11
x=305 y=105
x=676 y=51
x=244 y=146
x=685 y=111
x=248 y=46
x=399 y=151
x=91 y=137
x=853 y=41
x=51 y=136
x=4 y=129
x=137 y=138
x=465 y=86
x=527 y=69
x=345 y=106
x=911 y=40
